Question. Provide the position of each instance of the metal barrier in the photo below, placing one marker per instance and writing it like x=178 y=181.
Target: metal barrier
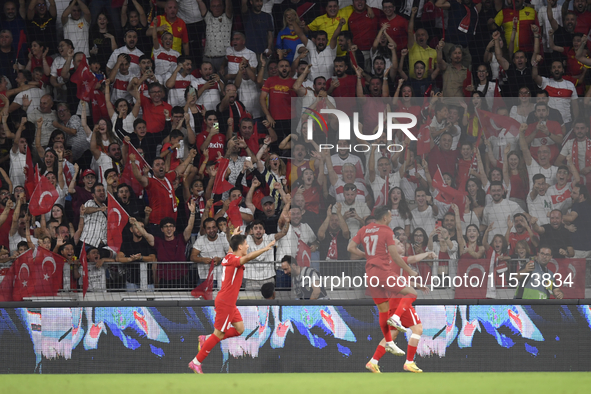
x=333 y=274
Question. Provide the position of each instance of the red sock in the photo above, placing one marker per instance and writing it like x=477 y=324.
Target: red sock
x=384 y=316
x=380 y=351
x=405 y=303
x=207 y=346
x=410 y=353
x=231 y=333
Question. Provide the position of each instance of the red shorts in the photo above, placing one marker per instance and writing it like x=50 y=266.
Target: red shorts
x=409 y=318
x=382 y=284
x=225 y=315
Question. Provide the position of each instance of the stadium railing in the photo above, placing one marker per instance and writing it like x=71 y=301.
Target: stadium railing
x=333 y=274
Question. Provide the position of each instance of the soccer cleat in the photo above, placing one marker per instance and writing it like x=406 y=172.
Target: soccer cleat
x=372 y=367
x=196 y=368
x=412 y=367
x=395 y=350
x=202 y=339
x=394 y=321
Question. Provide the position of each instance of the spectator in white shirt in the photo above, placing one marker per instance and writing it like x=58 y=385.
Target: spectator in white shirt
x=322 y=53
x=213 y=246
x=354 y=211
x=179 y=81
x=425 y=214
x=261 y=270
x=76 y=21
x=130 y=40
x=498 y=211
x=237 y=53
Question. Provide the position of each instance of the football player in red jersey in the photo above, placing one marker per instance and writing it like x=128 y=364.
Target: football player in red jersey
x=228 y=321
x=380 y=250
x=409 y=319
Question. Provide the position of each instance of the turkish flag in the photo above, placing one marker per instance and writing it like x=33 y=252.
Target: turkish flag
x=493 y=123
x=49 y=270
x=477 y=273
x=127 y=174
x=424 y=139
x=382 y=198
x=117 y=220
x=85 y=80
x=572 y=275
x=304 y=255
x=99 y=106
x=234 y=215
x=43 y=197
x=205 y=289
x=447 y=192
x=84 y=262
x=221 y=185
x=30 y=174
x=24 y=276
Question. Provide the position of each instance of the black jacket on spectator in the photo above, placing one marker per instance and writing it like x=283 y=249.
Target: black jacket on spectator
x=555 y=239
x=516 y=80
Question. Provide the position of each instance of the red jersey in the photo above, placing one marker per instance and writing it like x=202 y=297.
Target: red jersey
x=583 y=22
x=162 y=198
x=364 y=29
x=347 y=86
x=232 y=274
x=398 y=30
x=280 y=93
x=154 y=114
x=376 y=238
x=514 y=238
x=174 y=161
x=216 y=144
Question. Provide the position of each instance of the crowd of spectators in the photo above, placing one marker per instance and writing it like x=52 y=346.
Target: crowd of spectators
x=189 y=82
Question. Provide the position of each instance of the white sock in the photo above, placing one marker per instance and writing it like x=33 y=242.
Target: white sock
x=408 y=362
x=374 y=361
x=196 y=362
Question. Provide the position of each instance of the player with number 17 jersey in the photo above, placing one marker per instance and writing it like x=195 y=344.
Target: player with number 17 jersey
x=376 y=238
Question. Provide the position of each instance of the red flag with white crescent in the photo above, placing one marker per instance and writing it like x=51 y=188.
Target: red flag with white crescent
x=117 y=220
x=49 y=270
x=476 y=272
x=234 y=215
x=127 y=174
x=220 y=184
x=424 y=139
x=24 y=276
x=43 y=198
x=304 y=255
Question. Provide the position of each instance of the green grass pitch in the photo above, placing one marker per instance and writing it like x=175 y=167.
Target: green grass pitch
x=325 y=383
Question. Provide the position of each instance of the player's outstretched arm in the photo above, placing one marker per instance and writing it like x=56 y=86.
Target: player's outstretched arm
x=254 y=255
x=398 y=260
x=420 y=257
x=356 y=254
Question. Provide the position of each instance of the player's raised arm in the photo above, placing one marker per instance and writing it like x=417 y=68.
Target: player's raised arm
x=254 y=255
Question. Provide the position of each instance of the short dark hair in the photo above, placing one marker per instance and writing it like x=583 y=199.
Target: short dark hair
x=176 y=133
x=96 y=184
x=138 y=122
x=22 y=243
x=258 y=222
x=221 y=220
x=267 y=290
x=289 y=259
x=166 y=221
x=545 y=247
x=496 y=183
x=110 y=170
x=539 y=176
x=349 y=186
x=236 y=241
x=380 y=212
x=208 y=220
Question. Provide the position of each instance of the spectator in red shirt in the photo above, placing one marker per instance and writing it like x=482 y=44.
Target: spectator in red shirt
x=170 y=247
x=280 y=91
x=210 y=139
x=364 y=28
x=160 y=189
x=397 y=25
x=443 y=156
x=344 y=84
x=153 y=109
x=38 y=58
